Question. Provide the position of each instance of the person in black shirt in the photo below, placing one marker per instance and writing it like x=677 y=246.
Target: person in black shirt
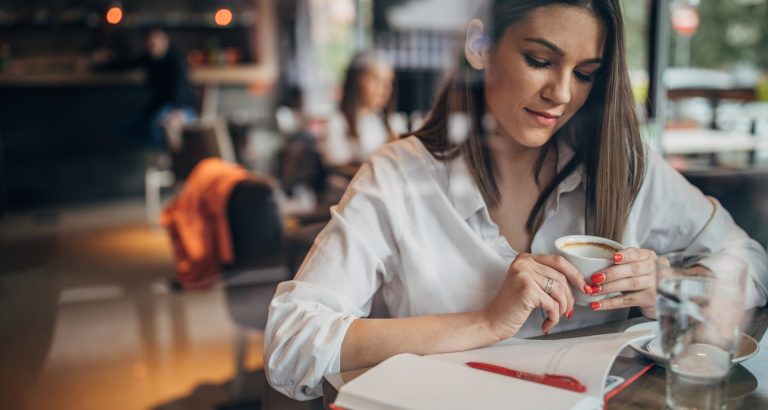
x=170 y=92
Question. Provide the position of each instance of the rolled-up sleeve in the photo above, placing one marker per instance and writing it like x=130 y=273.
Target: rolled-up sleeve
x=671 y=215
x=350 y=259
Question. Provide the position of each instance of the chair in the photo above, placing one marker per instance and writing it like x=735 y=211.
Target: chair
x=265 y=254
x=199 y=140
x=250 y=282
x=187 y=146
x=743 y=192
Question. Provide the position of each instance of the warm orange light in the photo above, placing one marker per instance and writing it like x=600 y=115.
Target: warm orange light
x=223 y=17
x=140 y=370
x=114 y=15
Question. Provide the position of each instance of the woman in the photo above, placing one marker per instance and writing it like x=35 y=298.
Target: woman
x=458 y=235
x=362 y=124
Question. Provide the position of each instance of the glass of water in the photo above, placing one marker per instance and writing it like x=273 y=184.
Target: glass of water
x=700 y=309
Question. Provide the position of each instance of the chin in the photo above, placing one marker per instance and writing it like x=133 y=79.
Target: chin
x=535 y=139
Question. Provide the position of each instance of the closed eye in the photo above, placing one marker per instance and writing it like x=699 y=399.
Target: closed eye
x=540 y=64
x=584 y=78
x=535 y=62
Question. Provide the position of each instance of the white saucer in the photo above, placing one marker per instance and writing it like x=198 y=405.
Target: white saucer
x=652 y=349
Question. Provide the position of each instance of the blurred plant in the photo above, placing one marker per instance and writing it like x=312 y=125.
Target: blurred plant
x=636 y=25
x=762 y=89
x=640 y=92
x=731 y=32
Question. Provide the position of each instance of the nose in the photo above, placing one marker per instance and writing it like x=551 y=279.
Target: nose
x=557 y=90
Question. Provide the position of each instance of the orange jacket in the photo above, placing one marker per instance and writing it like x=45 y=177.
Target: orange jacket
x=197 y=223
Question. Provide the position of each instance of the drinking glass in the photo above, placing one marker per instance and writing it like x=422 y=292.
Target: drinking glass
x=700 y=309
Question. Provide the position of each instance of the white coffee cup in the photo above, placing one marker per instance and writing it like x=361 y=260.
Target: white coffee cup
x=590 y=255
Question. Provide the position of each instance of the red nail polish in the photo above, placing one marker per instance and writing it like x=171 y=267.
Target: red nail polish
x=617 y=257
x=598 y=278
x=569 y=314
x=596 y=289
x=587 y=289
x=594 y=305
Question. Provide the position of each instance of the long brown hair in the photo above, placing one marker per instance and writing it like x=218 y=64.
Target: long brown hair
x=604 y=133
x=352 y=91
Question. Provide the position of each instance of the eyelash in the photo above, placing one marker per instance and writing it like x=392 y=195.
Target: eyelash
x=537 y=64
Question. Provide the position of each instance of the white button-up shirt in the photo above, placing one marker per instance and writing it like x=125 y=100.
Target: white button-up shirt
x=418 y=230
x=339 y=148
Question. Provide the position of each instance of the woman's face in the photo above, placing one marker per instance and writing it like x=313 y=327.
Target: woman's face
x=541 y=71
x=376 y=86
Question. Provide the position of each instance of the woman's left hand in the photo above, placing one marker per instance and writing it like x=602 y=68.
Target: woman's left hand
x=634 y=275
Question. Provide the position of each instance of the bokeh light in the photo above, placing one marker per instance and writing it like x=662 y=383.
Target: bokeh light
x=223 y=17
x=114 y=15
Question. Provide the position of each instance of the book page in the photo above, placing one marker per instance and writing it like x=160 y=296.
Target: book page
x=588 y=359
x=408 y=381
x=444 y=381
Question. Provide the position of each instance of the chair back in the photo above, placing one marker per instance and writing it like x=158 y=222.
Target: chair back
x=743 y=192
x=200 y=140
x=257 y=240
x=298 y=163
x=256 y=226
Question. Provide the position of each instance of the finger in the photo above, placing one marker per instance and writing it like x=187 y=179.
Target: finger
x=561 y=279
x=628 y=270
x=565 y=267
x=551 y=307
x=547 y=325
x=633 y=283
x=566 y=291
x=558 y=292
x=624 y=301
x=631 y=255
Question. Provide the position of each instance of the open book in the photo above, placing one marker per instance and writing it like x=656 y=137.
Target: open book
x=445 y=381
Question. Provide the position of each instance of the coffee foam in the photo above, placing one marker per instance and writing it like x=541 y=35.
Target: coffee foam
x=590 y=249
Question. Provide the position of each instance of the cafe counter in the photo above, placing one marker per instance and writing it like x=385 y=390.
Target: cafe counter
x=77 y=136
x=242 y=74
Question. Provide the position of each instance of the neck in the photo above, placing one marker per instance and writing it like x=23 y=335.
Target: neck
x=363 y=111
x=514 y=162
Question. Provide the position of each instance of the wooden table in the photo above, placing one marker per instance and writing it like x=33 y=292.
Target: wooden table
x=748 y=387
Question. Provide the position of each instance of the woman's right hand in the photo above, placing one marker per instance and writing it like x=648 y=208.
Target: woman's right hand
x=523 y=290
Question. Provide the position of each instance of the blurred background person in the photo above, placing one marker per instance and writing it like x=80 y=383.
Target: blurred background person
x=171 y=102
x=363 y=122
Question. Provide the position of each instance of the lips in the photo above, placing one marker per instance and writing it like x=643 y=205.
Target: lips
x=542 y=118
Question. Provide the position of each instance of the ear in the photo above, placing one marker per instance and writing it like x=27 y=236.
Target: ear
x=476 y=44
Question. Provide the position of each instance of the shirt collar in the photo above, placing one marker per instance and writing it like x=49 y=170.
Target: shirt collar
x=467 y=198
x=464 y=193
x=564 y=154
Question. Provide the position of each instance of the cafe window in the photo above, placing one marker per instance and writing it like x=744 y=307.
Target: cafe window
x=636 y=28
x=718 y=57
x=328 y=32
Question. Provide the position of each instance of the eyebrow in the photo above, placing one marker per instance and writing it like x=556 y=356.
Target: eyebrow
x=557 y=50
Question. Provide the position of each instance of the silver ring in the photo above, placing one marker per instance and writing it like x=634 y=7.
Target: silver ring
x=548 y=287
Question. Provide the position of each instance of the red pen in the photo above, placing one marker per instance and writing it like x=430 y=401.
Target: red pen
x=555 y=380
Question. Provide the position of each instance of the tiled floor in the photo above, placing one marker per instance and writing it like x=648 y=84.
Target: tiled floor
x=87 y=321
